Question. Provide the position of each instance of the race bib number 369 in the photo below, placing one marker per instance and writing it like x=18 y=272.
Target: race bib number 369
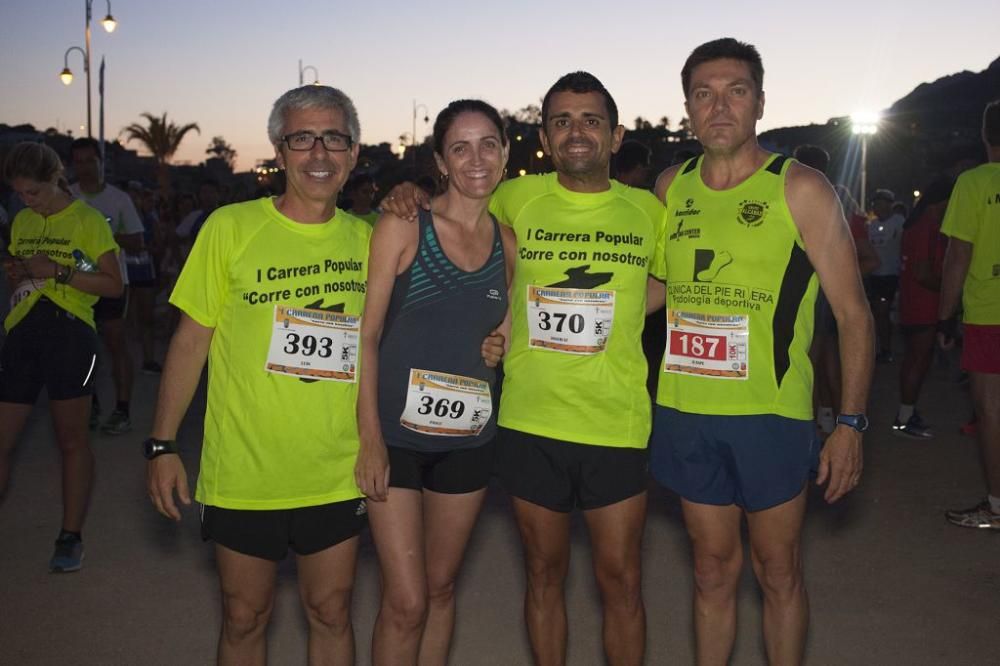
x=707 y=345
x=438 y=403
x=314 y=344
x=571 y=321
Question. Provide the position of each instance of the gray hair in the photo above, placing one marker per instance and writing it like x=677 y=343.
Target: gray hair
x=312 y=97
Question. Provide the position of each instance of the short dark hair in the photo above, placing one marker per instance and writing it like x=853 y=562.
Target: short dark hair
x=727 y=47
x=85 y=142
x=359 y=180
x=632 y=154
x=813 y=156
x=446 y=119
x=991 y=123
x=580 y=83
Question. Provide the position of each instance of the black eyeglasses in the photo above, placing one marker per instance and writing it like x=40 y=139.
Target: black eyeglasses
x=335 y=142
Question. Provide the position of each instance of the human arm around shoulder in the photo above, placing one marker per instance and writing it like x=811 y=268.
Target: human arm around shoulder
x=392 y=247
x=819 y=218
x=496 y=345
x=656 y=289
x=182 y=368
x=404 y=200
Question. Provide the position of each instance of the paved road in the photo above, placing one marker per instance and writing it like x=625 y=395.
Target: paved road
x=890 y=581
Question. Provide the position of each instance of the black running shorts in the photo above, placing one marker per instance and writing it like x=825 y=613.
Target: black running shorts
x=49 y=348
x=561 y=476
x=269 y=534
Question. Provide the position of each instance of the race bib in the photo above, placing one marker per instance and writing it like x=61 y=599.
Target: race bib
x=707 y=345
x=314 y=344
x=448 y=405
x=23 y=290
x=571 y=321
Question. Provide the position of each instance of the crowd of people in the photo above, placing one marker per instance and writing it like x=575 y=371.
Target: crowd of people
x=353 y=355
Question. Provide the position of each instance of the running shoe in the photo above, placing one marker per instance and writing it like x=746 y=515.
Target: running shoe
x=68 y=556
x=914 y=428
x=151 y=368
x=980 y=516
x=117 y=424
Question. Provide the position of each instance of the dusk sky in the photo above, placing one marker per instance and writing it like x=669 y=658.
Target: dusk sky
x=222 y=63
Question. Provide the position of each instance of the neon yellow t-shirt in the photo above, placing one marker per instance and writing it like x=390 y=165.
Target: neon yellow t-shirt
x=273 y=440
x=741 y=292
x=973 y=216
x=76 y=227
x=575 y=370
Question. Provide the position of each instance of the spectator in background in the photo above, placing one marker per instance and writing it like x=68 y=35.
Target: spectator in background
x=919 y=292
x=885 y=232
x=120 y=212
x=143 y=277
x=632 y=164
x=972 y=272
x=825 y=352
x=209 y=199
x=361 y=191
x=50 y=340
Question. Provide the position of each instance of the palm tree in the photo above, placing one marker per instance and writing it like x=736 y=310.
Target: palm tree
x=162 y=138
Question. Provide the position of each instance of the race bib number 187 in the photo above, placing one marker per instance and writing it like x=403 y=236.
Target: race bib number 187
x=571 y=321
x=707 y=345
x=314 y=344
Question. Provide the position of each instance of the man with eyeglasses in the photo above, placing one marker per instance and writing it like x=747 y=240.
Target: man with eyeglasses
x=272 y=293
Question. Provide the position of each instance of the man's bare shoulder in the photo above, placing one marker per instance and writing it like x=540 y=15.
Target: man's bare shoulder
x=664 y=180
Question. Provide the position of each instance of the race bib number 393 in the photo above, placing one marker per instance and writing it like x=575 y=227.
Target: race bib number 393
x=571 y=321
x=314 y=344
x=707 y=344
x=438 y=403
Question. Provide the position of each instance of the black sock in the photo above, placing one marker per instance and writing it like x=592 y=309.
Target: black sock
x=66 y=535
x=122 y=406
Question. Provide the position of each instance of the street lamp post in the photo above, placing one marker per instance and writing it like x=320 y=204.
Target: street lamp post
x=66 y=75
x=864 y=124
x=302 y=71
x=413 y=137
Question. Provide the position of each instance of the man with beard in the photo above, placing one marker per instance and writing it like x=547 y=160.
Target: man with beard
x=574 y=412
x=733 y=432
x=272 y=293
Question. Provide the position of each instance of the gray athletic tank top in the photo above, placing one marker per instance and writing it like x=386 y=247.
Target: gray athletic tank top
x=437 y=319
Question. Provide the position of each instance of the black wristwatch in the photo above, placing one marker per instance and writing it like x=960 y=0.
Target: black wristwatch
x=153 y=448
x=857 y=421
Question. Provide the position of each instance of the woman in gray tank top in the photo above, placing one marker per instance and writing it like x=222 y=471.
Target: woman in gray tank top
x=427 y=400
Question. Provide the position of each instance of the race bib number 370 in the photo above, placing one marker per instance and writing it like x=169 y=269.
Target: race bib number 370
x=438 y=403
x=707 y=345
x=571 y=321
x=314 y=344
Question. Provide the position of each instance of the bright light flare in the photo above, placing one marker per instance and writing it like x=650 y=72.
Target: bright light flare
x=865 y=122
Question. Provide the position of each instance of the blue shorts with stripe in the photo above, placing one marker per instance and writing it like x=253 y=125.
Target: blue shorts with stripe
x=755 y=462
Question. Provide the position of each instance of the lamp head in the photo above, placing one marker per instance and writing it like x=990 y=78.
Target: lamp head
x=109 y=23
x=66 y=76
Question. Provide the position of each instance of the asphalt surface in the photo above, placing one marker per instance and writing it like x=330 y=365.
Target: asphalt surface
x=890 y=581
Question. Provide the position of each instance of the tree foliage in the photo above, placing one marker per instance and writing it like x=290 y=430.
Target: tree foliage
x=160 y=136
x=221 y=149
